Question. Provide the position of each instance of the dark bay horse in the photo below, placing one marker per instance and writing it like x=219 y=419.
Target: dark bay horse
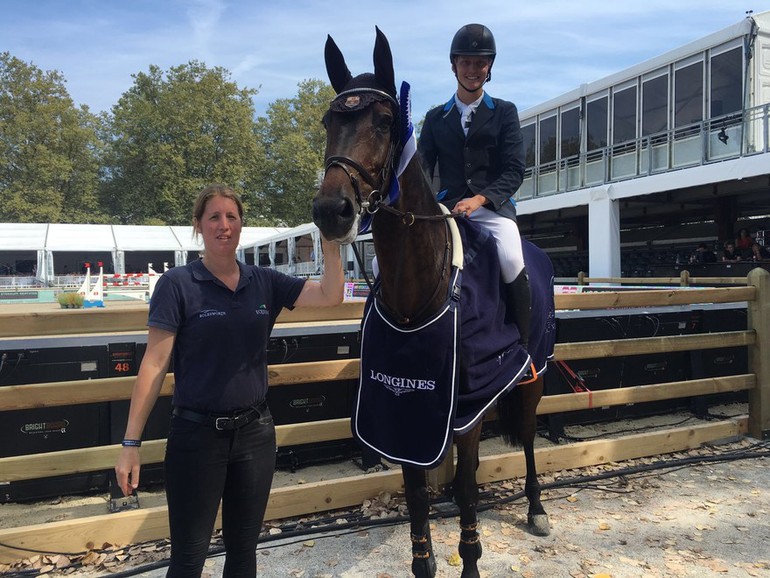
x=372 y=175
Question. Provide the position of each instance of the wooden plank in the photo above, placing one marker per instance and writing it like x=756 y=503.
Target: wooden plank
x=566 y=402
x=312 y=371
x=133 y=317
x=98 y=458
x=653 y=298
x=73 y=321
x=16 y=468
x=642 y=345
x=116 y=388
x=595 y=452
x=665 y=280
x=58 y=393
x=135 y=526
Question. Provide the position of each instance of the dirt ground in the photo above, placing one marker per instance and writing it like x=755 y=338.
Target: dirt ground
x=704 y=514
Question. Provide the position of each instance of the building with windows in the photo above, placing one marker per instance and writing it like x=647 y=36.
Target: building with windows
x=638 y=168
x=672 y=150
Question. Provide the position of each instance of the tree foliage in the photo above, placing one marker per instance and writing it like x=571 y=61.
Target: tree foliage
x=49 y=150
x=170 y=134
x=294 y=139
x=173 y=133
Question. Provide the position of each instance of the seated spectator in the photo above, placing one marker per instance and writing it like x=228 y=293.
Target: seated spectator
x=743 y=244
x=759 y=252
x=729 y=253
x=703 y=255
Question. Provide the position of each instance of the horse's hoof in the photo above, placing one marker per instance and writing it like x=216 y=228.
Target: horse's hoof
x=539 y=524
x=424 y=567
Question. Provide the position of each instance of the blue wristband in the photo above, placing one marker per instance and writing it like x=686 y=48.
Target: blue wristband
x=131 y=443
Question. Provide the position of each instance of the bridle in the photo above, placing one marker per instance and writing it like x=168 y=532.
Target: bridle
x=380 y=198
x=377 y=199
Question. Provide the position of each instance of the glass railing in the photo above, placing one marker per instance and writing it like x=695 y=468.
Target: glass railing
x=717 y=139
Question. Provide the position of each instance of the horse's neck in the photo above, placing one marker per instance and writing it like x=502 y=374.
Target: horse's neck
x=416 y=193
x=412 y=257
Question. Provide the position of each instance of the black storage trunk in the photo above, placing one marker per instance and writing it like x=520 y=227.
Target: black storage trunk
x=40 y=430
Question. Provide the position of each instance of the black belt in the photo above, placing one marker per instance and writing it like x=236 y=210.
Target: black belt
x=223 y=422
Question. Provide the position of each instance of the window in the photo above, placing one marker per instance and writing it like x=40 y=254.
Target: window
x=528 y=133
x=570 y=132
x=596 y=123
x=547 y=139
x=688 y=94
x=624 y=115
x=655 y=105
x=726 y=82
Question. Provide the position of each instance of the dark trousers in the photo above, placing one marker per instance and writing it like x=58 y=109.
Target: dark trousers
x=204 y=466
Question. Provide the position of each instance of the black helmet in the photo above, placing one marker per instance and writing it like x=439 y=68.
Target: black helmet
x=473 y=40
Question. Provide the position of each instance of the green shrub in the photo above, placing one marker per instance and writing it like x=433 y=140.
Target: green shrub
x=70 y=300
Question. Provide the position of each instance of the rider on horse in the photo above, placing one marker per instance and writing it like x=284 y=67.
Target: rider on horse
x=476 y=141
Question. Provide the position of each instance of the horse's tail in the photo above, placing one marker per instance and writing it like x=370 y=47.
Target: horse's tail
x=509 y=417
x=517 y=413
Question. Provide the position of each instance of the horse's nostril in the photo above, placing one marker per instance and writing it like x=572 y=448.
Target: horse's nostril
x=347 y=211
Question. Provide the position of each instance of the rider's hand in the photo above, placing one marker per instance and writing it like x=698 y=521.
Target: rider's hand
x=469 y=204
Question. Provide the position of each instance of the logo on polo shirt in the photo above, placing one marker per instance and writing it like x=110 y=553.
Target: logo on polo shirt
x=262 y=310
x=211 y=313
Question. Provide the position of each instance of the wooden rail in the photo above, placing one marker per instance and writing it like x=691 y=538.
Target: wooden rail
x=684 y=280
x=146 y=524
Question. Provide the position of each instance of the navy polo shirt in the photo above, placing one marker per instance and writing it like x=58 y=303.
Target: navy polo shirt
x=221 y=336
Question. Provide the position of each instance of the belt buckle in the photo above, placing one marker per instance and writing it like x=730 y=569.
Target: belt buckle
x=223 y=423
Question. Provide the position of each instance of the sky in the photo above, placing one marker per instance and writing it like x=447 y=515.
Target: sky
x=545 y=48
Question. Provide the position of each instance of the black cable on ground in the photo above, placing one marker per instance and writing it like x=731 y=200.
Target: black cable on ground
x=334 y=530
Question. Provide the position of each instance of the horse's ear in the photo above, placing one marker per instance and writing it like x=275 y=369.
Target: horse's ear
x=336 y=69
x=383 y=62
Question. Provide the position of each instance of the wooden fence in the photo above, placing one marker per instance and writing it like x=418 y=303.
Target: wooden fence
x=144 y=524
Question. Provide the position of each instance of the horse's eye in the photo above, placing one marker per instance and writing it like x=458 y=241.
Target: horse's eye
x=383 y=122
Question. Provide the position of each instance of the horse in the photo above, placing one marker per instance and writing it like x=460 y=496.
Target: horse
x=373 y=179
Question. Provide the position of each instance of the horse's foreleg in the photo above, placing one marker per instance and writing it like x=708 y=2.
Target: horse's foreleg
x=416 y=490
x=537 y=518
x=466 y=495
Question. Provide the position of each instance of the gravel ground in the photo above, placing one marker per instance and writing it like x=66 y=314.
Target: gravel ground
x=623 y=520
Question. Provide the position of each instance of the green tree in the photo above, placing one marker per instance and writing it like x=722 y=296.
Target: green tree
x=294 y=140
x=49 y=166
x=172 y=134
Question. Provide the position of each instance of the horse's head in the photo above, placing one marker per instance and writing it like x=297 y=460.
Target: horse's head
x=361 y=139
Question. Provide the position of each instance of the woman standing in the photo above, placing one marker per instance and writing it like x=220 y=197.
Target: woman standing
x=215 y=316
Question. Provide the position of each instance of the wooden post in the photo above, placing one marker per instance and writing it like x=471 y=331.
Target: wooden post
x=581 y=278
x=684 y=278
x=759 y=355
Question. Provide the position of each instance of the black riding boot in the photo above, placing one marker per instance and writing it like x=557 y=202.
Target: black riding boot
x=518 y=303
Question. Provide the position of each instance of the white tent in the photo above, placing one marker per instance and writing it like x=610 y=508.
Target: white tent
x=53 y=246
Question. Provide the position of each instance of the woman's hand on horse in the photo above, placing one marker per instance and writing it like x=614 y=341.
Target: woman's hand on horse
x=470 y=204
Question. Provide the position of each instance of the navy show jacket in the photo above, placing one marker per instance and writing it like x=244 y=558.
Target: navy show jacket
x=489 y=161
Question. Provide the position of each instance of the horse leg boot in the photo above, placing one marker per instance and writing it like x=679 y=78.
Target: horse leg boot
x=518 y=304
x=416 y=490
x=466 y=495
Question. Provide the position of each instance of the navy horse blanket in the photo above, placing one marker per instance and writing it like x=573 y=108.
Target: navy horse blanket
x=420 y=385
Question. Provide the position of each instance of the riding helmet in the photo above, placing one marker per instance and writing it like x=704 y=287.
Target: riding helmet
x=473 y=40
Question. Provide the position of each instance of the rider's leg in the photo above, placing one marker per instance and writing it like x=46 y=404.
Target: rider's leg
x=514 y=275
